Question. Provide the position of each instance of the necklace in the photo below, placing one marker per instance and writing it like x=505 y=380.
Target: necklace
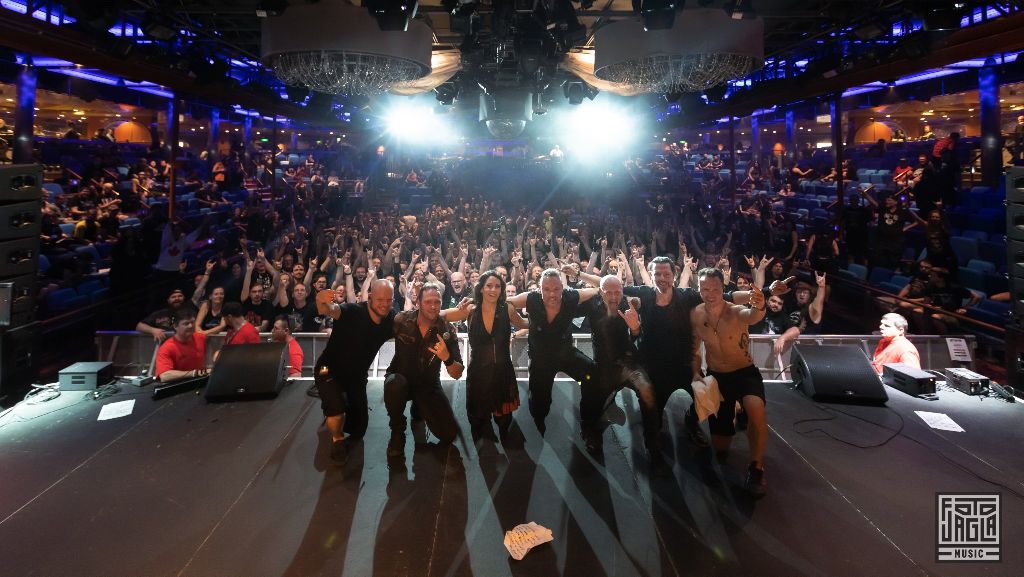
x=717 y=322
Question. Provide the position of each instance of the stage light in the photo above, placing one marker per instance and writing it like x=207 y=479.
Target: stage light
x=597 y=129
x=740 y=10
x=418 y=123
x=659 y=14
x=392 y=15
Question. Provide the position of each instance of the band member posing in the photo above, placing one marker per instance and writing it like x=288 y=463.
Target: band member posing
x=615 y=324
x=340 y=372
x=550 y=339
x=491 y=388
x=423 y=340
x=722 y=327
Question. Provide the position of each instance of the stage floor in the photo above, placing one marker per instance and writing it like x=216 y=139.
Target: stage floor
x=183 y=487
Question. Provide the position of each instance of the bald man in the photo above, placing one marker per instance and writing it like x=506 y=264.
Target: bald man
x=615 y=325
x=340 y=372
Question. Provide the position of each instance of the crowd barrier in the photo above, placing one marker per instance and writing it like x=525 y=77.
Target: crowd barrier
x=132 y=352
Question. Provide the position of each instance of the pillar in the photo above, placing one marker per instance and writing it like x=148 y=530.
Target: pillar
x=836 y=110
x=25 y=115
x=791 y=133
x=991 y=135
x=274 y=159
x=171 y=151
x=755 y=140
x=732 y=158
x=213 y=139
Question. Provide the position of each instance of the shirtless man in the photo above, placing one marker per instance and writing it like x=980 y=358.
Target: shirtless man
x=722 y=327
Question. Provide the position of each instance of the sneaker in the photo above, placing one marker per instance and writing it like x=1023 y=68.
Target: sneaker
x=755 y=484
x=313 y=391
x=339 y=452
x=396 y=446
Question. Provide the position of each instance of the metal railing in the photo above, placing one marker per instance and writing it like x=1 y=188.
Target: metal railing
x=132 y=352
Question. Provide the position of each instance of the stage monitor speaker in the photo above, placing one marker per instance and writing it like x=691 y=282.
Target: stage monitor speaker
x=256 y=371
x=21 y=182
x=836 y=373
x=1014 y=184
x=17 y=363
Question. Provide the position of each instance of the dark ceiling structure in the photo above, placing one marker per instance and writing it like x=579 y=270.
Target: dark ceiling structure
x=211 y=50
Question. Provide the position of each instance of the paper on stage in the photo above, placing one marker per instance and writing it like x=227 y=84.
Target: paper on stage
x=521 y=538
x=116 y=410
x=940 y=421
x=706 y=397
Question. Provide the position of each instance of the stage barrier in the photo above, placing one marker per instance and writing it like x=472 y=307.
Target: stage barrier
x=131 y=352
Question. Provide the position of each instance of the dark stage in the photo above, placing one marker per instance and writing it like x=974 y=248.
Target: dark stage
x=183 y=487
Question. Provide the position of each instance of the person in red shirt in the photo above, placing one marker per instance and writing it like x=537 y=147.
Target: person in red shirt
x=894 y=346
x=182 y=356
x=282 y=333
x=240 y=331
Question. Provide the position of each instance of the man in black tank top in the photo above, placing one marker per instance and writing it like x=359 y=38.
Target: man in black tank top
x=550 y=339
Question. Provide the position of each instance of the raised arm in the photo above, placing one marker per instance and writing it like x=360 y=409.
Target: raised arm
x=817 y=306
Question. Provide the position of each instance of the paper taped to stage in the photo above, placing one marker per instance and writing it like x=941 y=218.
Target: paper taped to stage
x=521 y=538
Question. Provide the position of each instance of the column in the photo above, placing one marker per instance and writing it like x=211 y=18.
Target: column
x=273 y=164
x=171 y=151
x=732 y=158
x=213 y=139
x=755 y=140
x=25 y=115
x=991 y=135
x=295 y=141
x=791 y=133
x=836 y=110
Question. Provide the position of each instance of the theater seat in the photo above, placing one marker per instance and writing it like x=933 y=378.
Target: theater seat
x=65 y=299
x=981 y=265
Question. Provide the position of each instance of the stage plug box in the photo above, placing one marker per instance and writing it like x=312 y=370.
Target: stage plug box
x=86 y=376
x=966 y=381
x=910 y=380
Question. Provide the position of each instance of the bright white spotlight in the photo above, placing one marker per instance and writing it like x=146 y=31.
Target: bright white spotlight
x=420 y=124
x=596 y=129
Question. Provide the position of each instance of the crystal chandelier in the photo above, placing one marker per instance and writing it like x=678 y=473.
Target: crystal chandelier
x=679 y=73
x=332 y=46
x=348 y=72
x=703 y=48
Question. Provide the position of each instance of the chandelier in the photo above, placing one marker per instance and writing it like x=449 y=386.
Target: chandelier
x=333 y=47
x=703 y=48
x=659 y=73
x=348 y=72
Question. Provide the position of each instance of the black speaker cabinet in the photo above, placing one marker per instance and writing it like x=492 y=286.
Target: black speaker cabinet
x=1015 y=357
x=836 y=373
x=256 y=371
x=17 y=363
x=21 y=182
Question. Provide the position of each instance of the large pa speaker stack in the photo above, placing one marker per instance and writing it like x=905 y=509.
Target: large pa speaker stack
x=21 y=195
x=1015 y=240
x=839 y=373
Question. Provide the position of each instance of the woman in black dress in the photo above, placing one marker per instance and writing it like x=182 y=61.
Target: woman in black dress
x=491 y=388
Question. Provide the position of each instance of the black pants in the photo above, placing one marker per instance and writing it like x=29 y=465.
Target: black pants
x=569 y=360
x=427 y=397
x=344 y=397
x=631 y=376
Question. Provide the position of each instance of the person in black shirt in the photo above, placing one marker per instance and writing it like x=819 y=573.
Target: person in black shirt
x=258 y=310
x=777 y=321
x=550 y=339
x=340 y=372
x=615 y=324
x=423 y=340
x=299 y=310
x=892 y=219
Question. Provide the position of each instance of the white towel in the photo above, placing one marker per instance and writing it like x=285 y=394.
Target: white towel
x=706 y=397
